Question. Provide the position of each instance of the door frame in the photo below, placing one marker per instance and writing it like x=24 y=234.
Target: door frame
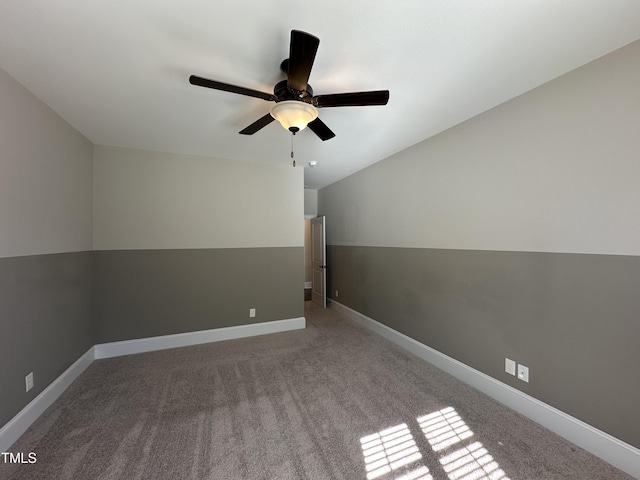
x=318 y=261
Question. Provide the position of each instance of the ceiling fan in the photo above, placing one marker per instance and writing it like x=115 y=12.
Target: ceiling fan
x=296 y=106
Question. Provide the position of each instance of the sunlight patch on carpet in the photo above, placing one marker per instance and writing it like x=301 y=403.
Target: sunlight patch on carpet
x=391 y=449
x=472 y=463
x=444 y=428
x=395 y=448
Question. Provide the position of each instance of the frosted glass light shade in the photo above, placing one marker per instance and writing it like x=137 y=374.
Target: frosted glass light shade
x=293 y=113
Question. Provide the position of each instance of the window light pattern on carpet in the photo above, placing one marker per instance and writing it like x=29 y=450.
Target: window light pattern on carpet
x=390 y=449
x=389 y=453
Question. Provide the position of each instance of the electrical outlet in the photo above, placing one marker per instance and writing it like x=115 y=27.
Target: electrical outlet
x=510 y=366
x=252 y=312
x=336 y=293
x=523 y=373
x=28 y=380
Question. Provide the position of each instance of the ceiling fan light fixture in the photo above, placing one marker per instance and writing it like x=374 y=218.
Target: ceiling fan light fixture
x=294 y=114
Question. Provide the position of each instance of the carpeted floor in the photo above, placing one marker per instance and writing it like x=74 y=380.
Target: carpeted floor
x=333 y=401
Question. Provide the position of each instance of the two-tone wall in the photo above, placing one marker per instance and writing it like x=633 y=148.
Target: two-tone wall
x=185 y=243
x=515 y=234
x=102 y=244
x=45 y=243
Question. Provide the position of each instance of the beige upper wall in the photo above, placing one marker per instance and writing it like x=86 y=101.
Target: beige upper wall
x=45 y=177
x=151 y=200
x=554 y=170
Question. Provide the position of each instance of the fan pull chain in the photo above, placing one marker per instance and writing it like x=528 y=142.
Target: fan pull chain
x=292 y=135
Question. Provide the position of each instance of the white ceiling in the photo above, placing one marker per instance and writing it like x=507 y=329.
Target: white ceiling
x=117 y=70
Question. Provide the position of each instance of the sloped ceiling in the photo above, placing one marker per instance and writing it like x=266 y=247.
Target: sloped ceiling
x=117 y=70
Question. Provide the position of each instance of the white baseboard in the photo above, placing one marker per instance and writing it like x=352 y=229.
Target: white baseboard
x=19 y=424
x=612 y=450
x=141 y=345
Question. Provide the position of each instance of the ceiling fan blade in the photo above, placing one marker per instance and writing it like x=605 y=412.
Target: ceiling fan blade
x=302 y=53
x=204 y=82
x=258 y=124
x=354 y=99
x=321 y=130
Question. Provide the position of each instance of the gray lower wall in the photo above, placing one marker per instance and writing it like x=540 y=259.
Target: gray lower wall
x=573 y=319
x=54 y=307
x=144 y=293
x=45 y=307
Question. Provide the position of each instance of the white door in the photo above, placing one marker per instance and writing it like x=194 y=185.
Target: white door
x=318 y=262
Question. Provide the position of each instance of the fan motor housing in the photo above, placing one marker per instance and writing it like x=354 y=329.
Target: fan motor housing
x=281 y=90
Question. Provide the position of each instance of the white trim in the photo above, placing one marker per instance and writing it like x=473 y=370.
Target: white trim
x=19 y=424
x=141 y=345
x=605 y=446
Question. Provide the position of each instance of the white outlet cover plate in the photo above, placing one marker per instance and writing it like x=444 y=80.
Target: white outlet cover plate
x=252 y=312
x=28 y=380
x=523 y=373
x=510 y=366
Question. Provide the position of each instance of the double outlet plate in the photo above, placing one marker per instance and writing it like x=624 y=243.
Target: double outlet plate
x=510 y=368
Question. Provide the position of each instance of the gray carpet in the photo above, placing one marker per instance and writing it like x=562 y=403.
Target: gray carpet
x=333 y=401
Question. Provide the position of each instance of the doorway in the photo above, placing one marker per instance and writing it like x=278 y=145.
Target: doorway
x=315 y=261
x=318 y=262
x=307 y=260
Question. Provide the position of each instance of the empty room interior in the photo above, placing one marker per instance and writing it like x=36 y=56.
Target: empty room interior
x=464 y=205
